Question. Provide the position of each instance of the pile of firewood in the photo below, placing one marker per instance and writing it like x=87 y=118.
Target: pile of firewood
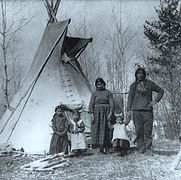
x=49 y=163
x=6 y=149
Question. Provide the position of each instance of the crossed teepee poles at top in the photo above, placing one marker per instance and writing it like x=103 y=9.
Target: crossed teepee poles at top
x=52 y=8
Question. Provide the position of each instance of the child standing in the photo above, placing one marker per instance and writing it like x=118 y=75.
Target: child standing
x=120 y=139
x=77 y=128
x=60 y=127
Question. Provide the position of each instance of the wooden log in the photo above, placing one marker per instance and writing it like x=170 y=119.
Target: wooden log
x=2 y=155
x=34 y=165
x=19 y=152
x=49 y=157
x=41 y=163
x=54 y=163
x=52 y=167
x=44 y=166
x=12 y=152
x=17 y=155
x=56 y=7
x=5 y=152
x=59 y=165
x=55 y=159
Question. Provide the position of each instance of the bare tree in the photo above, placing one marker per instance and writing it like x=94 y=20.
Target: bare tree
x=90 y=57
x=122 y=54
x=10 y=71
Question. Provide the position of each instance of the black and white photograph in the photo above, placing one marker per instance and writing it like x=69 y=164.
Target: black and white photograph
x=90 y=89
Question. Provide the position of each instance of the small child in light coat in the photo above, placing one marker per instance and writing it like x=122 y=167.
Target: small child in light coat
x=60 y=127
x=77 y=128
x=120 y=139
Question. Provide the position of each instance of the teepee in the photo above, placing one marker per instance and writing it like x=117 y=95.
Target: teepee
x=55 y=77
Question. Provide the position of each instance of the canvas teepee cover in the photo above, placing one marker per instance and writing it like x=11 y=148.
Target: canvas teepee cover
x=55 y=76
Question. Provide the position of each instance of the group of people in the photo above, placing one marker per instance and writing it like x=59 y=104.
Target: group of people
x=108 y=129
x=62 y=127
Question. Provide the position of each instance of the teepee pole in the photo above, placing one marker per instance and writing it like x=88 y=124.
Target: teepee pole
x=56 y=7
x=32 y=85
x=52 y=9
x=52 y=17
x=52 y=4
x=48 y=10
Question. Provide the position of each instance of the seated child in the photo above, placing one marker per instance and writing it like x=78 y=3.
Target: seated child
x=77 y=128
x=120 y=139
x=60 y=127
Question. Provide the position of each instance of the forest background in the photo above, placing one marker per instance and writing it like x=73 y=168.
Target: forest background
x=126 y=34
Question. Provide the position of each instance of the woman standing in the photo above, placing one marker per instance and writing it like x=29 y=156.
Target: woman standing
x=101 y=108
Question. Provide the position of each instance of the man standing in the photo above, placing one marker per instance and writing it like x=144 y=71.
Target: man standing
x=141 y=102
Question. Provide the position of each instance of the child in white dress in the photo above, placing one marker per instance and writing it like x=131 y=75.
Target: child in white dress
x=120 y=140
x=77 y=128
